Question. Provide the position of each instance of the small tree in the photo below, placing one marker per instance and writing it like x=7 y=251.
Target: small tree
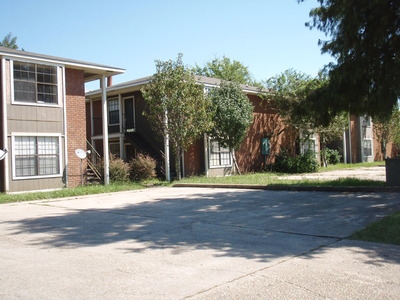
x=233 y=116
x=9 y=41
x=176 y=106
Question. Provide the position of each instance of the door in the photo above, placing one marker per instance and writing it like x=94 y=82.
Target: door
x=129 y=114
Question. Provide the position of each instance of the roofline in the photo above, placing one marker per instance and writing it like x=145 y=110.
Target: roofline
x=97 y=69
x=138 y=83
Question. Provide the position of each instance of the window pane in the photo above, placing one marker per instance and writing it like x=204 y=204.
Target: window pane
x=25 y=166
x=48 y=165
x=24 y=91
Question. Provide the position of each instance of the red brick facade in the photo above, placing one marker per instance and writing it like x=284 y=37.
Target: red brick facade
x=76 y=123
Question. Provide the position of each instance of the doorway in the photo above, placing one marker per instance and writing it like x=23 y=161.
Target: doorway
x=129 y=104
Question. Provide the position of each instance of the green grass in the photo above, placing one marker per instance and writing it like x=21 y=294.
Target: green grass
x=264 y=178
x=385 y=231
x=78 y=191
x=272 y=179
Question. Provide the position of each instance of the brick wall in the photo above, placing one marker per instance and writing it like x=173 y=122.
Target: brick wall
x=76 y=123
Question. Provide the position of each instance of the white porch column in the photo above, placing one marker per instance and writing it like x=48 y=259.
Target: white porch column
x=166 y=148
x=106 y=156
x=206 y=161
x=4 y=125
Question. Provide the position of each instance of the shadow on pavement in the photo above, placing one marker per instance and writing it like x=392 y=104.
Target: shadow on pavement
x=259 y=225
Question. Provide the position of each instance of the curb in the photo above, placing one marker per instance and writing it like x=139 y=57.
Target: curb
x=365 y=189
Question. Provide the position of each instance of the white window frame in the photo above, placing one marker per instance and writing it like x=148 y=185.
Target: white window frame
x=363 y=147
x=210 y=155
x=59 y=72
x=60 y=157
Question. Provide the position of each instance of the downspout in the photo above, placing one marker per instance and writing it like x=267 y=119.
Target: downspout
x=5 y=136
x=104 y=112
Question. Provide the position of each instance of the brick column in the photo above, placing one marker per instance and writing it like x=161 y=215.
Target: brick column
x=76 y=123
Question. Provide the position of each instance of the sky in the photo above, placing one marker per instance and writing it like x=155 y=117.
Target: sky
x=267 y=36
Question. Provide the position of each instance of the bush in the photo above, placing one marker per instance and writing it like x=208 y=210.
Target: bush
x=142 y=167
x=333 y=157
x=119 y=170
x=305 y=163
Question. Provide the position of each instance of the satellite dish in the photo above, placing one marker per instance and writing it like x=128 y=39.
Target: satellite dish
x=80 y=153
x=3 y=153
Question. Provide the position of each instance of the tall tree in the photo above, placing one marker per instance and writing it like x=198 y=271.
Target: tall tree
x=226 y=69
x=177 y=107
x=233 y=114
x=9 y=41
x=288 y=93
x=365 y=41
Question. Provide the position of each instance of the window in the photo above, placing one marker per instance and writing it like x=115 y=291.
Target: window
x=35 y=83
x=36 y=156
x=367 y=148
x=219 y=156
x=309 y=146
x=113 y=111
x=366 y=121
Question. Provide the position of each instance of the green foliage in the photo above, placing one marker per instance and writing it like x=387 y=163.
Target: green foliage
x=176 y=105
x=333 y=156
x=118 y=169
x=173 y=90
x=9 y=41
x=290 y=92
x=287 y=93
x=227 y=70
x=233 y=114
x=142 y=167
x=388 y=130
x=305 y=163
x=363 y=39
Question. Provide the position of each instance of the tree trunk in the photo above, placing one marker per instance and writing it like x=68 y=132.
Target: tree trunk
x=236 y=166
x=178 y=162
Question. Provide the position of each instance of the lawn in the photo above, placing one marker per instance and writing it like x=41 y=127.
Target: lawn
x=272 y=179
x=386 y=231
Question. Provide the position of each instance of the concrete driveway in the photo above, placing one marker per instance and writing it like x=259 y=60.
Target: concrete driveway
x=197 y=243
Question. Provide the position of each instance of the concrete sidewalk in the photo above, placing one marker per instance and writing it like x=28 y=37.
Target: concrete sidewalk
x=197 y=243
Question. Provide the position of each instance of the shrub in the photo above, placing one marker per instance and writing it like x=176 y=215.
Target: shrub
x=142 y=167
x=333 y=157
x=305 y=163
x=119 y=170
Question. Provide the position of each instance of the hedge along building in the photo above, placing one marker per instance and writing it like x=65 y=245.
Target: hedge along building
x=129 y=132
x=43 y=118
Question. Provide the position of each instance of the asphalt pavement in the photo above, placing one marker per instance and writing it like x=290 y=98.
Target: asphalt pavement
x=198 y=243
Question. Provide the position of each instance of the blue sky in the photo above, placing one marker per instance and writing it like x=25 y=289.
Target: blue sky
x=267 y=36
